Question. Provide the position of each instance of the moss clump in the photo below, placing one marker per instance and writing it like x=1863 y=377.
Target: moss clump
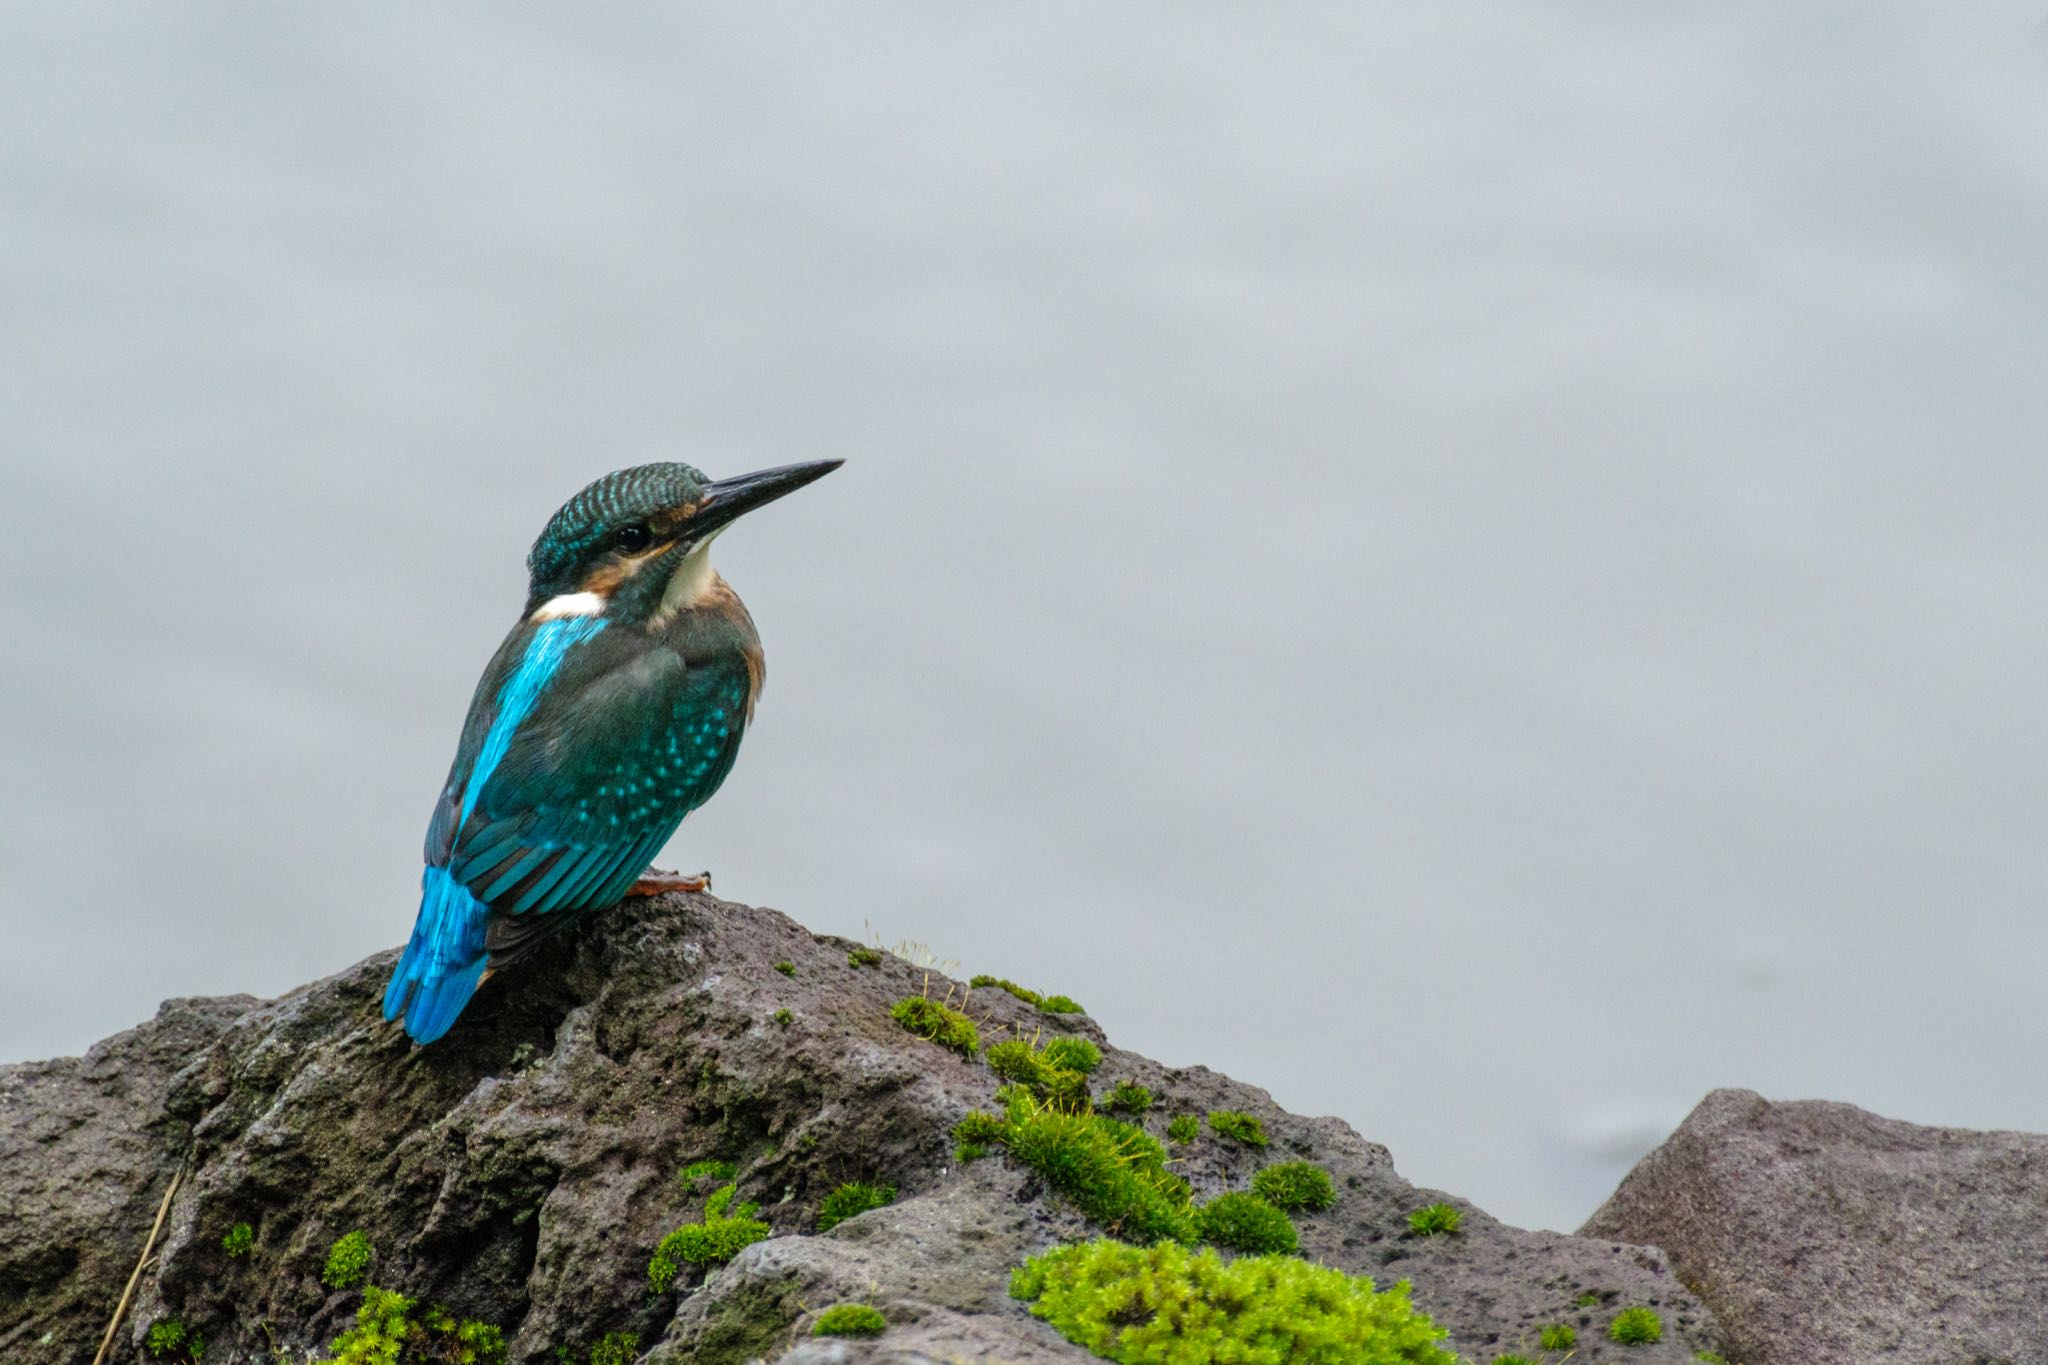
x=1513 y=1360
x=1636 y=1326
x=1051 y=1004
x=941 y=1024
x=348 y=1261
x=616 y=1348
x=1588 y=1300
x=238 y=1241
x=386 y=1332
x=1113 y=1172
x=1183 y=1128
x=976 y=1133
x=782 y=1017
x=1127 y=1097
x=850 y=1320
x=716 y=1240
x=864 y=957
x=787 y=968
x=1557 y=1336
x=710 y=1169
x=1295 y=1185
x=1245 y=1222
x=171 y=1339
x=1435 y=1220
x=1049 y=1075
x=1710 y=1358
x=1072 y=1054
x=850 y=1199
x=1235 y=1123
x=1164 y=1305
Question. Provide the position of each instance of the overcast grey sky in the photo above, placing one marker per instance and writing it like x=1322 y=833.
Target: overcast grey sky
x=1479 y=566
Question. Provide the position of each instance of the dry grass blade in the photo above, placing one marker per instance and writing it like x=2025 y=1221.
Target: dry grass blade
x=141 y=1262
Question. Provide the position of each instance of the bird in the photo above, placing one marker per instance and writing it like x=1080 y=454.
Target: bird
x=613 y=709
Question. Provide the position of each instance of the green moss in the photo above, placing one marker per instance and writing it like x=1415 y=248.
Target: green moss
x=1588 y=1300
x=1044 y=1075
x=710 y=1169
x=1513 y=1360
x=386 y=1333
x=787 y=968
x=1710 y=1358
x=1072 y=1054
x=171 y=1340
x=1435 y=1220
x=783 y=1017
x=1113 y=1172
x=1245 y=1222
x=1127 y=1097
x=1024 y=993
x=850 y=1199
x=1164 y=1305
x=348 y=1261
x=716 y=1240
x=850 y=1320
x=941 y=1024
x=238 y=1241
x=1183 y=1128
x=1636 y=1326
x=1295 y=1185
x=1235 y=1123
x=1061 y=1004
x=1557 y=1336
x=616 y=1348
x=864 y=957
x=975 y=1134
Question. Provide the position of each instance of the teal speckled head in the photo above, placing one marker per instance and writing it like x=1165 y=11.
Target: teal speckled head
x=620 y=545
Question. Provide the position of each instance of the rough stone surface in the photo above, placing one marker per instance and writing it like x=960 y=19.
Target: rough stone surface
x=522 y=1170
x=1824 y=1235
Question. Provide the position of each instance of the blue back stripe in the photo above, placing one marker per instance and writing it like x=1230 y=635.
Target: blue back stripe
x=544 y=654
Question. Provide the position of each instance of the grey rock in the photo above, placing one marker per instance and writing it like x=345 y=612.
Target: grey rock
x=1824 y=1235
x=522 y=1170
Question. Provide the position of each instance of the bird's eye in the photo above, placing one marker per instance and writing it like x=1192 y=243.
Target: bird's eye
x=631 y=540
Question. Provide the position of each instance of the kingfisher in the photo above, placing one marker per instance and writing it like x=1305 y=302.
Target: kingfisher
x=613 y=709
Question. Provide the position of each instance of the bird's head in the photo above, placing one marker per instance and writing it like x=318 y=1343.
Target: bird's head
x=634 y=546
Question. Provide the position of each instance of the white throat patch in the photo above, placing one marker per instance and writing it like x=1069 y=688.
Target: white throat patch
x=689 y=583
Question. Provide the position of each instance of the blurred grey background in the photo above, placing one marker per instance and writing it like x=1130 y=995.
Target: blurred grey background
x=1479 y=566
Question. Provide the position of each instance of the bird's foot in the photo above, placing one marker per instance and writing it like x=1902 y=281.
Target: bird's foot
x=655 y=882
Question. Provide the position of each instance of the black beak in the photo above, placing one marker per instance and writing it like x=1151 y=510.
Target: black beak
x=726 y=500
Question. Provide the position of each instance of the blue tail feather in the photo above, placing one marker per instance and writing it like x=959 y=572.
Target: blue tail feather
x=443 y=962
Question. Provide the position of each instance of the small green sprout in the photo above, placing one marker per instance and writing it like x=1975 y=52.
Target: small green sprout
x=238 y=1241
x=783 y=1017
x=864 y=957
x=1183 y=1128
x=787 y=968
x=1295 y=1185
x=725 y=1230
x=850 y=1199
x=1127 y=1097
x=1235 y=1123
x=1435 y=1220
x=1589 y=1299
x=1072 y=1054
x=171 y=1339
x=1558 y=1336
x=850 y=1320
x=711 y=1169
x=1247 y=1223
x=1636 y=1326
x=941 y=1024
x=1061 y=1004
x=348 y=1260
